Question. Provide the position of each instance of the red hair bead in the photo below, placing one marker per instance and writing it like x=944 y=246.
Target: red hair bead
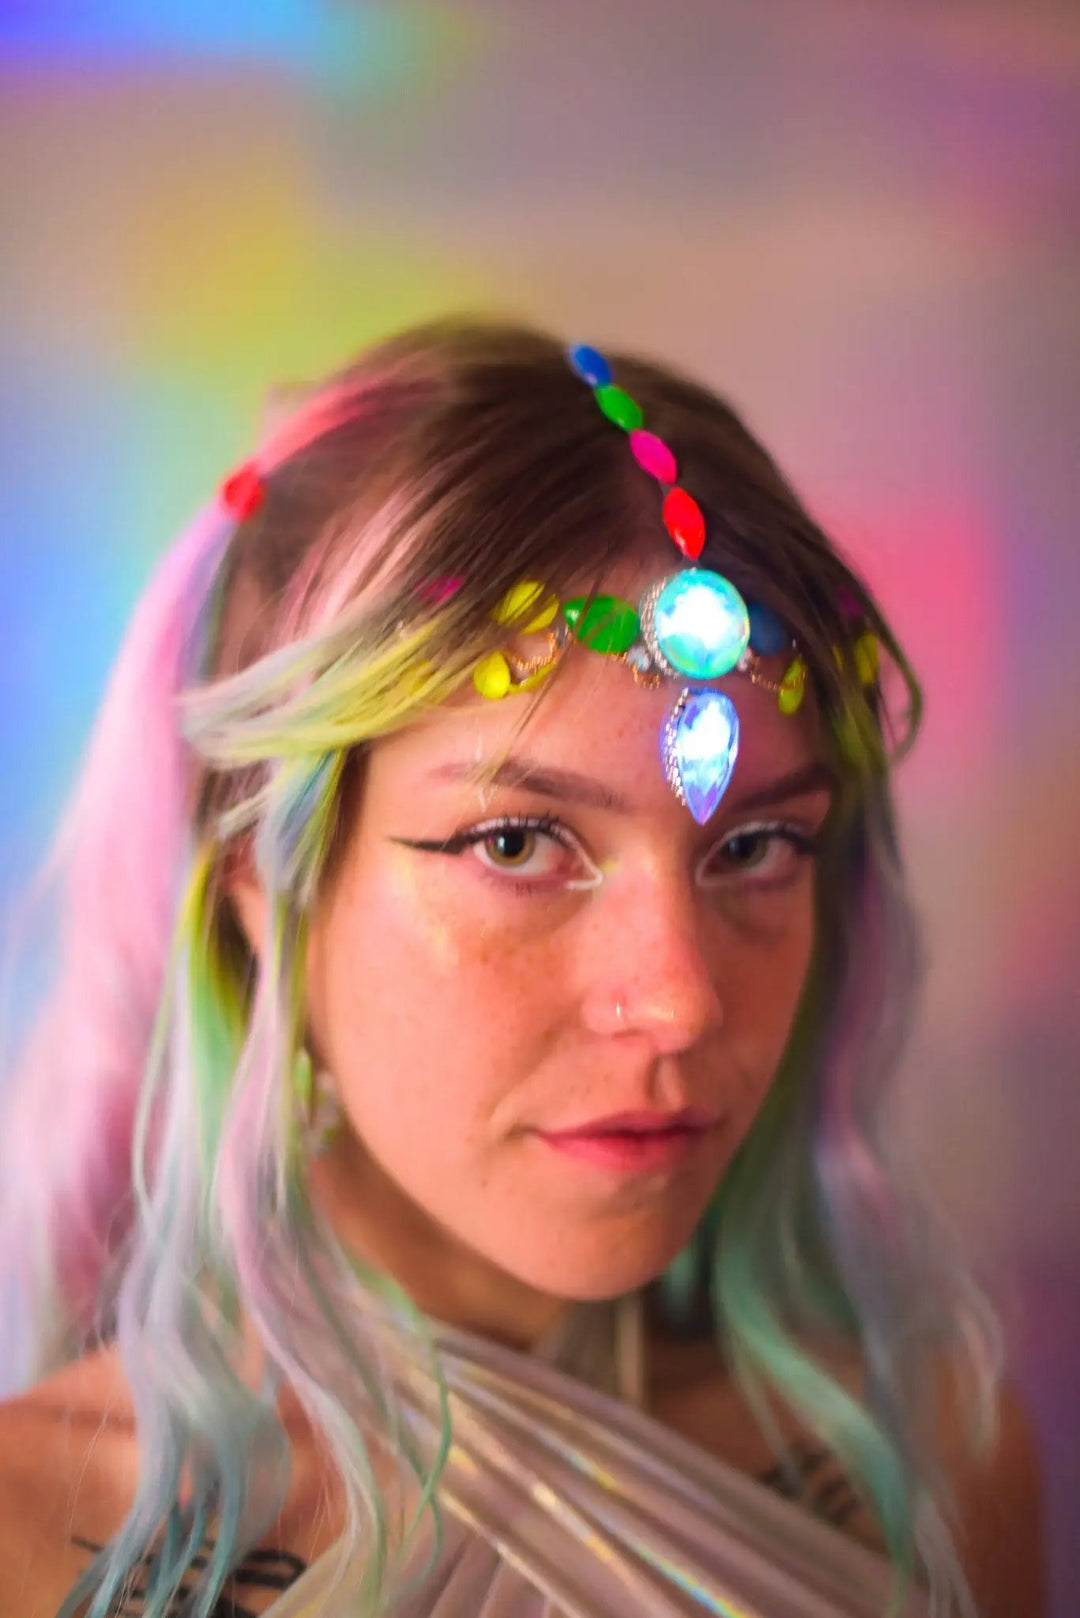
x=653 y=456
x=685 y=523
x=243 y=493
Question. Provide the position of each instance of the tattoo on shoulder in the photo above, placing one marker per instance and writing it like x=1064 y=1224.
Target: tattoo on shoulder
x=259 y=1571
x=813 y=1475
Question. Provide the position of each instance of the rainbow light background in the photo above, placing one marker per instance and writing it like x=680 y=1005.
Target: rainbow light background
x=860 y=221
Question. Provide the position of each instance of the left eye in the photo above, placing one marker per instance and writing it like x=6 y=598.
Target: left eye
x=767 y=853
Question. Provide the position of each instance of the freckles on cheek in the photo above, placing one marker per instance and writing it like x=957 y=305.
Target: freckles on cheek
x=764 y=988
x=436 y=936
x=418 y=917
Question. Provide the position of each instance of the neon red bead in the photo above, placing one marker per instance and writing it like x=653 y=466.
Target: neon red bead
x=653 y=456
x=685 y=523
x=243 y=492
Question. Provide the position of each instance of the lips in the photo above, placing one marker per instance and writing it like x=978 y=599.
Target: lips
x=634 y=1142
x=641 y=1122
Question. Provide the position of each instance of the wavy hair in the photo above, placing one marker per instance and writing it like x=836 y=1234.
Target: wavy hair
x=172 y=1214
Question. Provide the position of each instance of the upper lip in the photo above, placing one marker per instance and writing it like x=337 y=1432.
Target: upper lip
x=641 y=1122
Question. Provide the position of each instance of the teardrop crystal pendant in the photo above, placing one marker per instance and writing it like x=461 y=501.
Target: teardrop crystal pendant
x=698 y=748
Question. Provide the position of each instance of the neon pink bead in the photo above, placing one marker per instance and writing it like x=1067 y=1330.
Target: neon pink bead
x=436 y=591
x=653 y=456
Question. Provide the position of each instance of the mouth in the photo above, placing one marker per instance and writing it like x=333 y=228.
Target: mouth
x=635 y=1142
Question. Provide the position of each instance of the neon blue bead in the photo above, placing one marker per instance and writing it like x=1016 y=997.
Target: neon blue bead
x=590 y=366
x=700 y=624
x=767 y=634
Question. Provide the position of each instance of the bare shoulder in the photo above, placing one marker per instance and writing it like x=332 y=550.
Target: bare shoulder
x=693 y=1392
x=997 y=1494
x=67 y=1473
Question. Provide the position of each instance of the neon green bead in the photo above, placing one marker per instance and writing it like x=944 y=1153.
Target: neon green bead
x=604 y=624
x=491 y=676
x=618 y=407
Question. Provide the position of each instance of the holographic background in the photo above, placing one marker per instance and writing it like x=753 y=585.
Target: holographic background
x=859 y=218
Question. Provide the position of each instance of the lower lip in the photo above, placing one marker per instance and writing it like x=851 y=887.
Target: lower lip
x=629 y=1153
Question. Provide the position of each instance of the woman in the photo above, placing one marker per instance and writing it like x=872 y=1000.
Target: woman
x=438 y=1068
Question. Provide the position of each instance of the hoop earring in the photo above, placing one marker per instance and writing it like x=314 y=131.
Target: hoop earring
x=321 y=1115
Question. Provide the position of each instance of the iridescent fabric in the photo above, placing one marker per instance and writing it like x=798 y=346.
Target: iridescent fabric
x=561 y=1500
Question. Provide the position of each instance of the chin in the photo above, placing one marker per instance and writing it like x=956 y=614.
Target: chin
x=591 y=1272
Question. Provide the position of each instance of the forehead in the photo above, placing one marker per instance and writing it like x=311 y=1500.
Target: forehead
x=592 y=718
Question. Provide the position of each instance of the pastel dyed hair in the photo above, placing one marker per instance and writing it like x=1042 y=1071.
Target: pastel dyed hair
x=170 y=1210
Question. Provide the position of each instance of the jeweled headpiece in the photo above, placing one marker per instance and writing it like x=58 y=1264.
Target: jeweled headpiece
x=693 y=626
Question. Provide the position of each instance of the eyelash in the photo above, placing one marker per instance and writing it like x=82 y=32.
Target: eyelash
x=803 y=844
x=542 y=825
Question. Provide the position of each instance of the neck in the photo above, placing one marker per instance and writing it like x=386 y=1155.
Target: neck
x=381 y=1226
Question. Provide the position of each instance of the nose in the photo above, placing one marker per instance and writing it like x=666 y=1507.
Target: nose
x=649 y=967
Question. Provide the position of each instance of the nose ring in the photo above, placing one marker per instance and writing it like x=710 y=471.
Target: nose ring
x=619 y=1011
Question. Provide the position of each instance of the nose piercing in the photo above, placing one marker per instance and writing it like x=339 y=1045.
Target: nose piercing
x=619 y=1012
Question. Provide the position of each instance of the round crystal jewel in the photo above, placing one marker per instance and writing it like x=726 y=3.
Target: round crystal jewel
x=699 y=623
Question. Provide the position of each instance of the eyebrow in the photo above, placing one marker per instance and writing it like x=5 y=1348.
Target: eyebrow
x=800 y=783
x=568 y=786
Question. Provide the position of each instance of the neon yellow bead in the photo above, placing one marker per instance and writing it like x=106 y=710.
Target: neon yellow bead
x=793 y=687
x=491 y=676
x=544 y=617
x=526 y=600
x=866 y=659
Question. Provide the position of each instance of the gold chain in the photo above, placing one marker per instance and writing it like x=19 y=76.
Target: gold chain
x=522 y=667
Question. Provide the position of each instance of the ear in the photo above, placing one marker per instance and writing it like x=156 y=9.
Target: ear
x=245 y=892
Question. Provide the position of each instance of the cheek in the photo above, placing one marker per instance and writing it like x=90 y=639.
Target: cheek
x=762 y=980
x=417 y=1012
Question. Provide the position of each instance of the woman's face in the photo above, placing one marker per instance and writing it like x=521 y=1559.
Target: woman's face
x=498 y=971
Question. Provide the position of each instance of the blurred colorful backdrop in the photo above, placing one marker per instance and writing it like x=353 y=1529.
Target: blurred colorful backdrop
x=859 y=218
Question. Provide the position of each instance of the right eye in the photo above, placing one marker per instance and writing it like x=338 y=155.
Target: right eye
x=536 y=854
x=514 y=848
